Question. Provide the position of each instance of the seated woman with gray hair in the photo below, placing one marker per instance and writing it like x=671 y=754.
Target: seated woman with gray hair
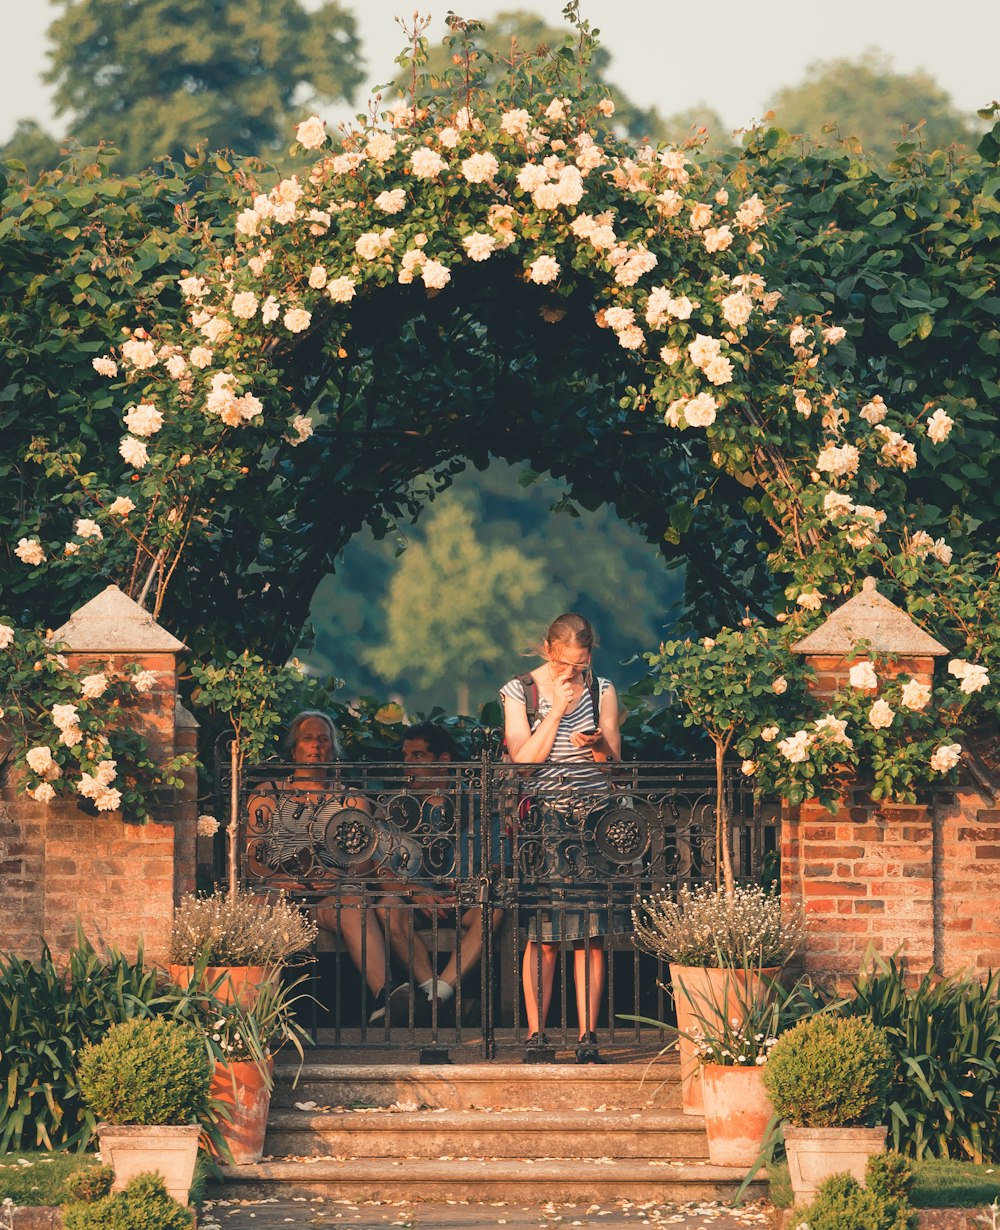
x=292 y=831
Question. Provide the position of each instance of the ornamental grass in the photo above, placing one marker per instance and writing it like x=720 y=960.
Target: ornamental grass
x=744 y=929
x=247 y=929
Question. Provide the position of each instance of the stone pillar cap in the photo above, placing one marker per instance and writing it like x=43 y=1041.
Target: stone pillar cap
x=870 y=617
x=113 y=623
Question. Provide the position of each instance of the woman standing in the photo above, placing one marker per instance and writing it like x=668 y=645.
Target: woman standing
x=563 y=720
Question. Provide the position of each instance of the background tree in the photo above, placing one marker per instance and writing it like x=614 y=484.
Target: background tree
x=156 y=77
x=593 y=560
x=458 y=609
x=866 y=99
x=32 y=146
x=516 y=35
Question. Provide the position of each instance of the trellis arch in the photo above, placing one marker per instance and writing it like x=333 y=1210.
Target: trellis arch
x=468 y=274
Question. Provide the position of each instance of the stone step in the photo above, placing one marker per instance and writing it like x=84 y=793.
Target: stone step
x=488 y=1178
x=500 y=1086
x=478 y=1133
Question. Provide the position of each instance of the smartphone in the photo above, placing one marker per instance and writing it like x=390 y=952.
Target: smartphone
x=591 y=731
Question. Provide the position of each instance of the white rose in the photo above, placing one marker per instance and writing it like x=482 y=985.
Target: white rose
x=480 y=168
x=700 y=411
x=85 y=528
x=736 y=309
x=835 y=728
x=881 y=715
x=479 y=245
x=297 y=320
x=140 y=354
x=208 y=826
x=426 y=163
x=939 y=426
x=39 y=760
x=516 y=122
x=317 y=277
x=244 y=305
x=201 y=357
x=435 y=275
x=369 y=245
x=93 y=686
x=833 y=335
x=769 y=734
x=104 y=366
x=303 y=428
x=143 y=681
x=862 y=675
x=134 y=452
x=718 y=238
x=43 y=793
x=341 y=290
x=946 y=757
x=748 y=768
x=874 y=411
x=311 y=133
x=543 y=269
x=780 y=685
x=391 y=201
x=916 y=695
x=795 y=748
x=143 y=420
x=29 y=551
x=6 y=636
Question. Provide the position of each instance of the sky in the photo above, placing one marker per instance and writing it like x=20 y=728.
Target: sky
x=729 y=54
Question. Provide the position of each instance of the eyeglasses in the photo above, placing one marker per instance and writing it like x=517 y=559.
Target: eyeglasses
x=577 y=666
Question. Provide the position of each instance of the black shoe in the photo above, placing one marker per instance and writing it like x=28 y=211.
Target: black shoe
x=536 y=1039
x=380 y=1002
x=423 y=1011
x=399 y=1005
x=587 y=1051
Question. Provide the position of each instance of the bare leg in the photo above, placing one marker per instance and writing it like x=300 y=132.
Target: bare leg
x=529 y=975
x=397 y=919
x=362 y=936
x=470 y=945
x=588 y=975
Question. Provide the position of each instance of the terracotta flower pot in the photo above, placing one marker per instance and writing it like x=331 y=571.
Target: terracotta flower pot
x=697 y=992
x=134 y=1149
x=816 y=1153
x=246 y=1090
x=737 y=1112
x=240 y=985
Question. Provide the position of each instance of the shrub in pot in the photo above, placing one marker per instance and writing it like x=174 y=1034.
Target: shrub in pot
x=828 y=1078
x=148 y=1084
x=721 y=947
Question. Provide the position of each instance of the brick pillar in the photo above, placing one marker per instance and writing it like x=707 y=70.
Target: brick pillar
x=870 y=873
x=61 y=866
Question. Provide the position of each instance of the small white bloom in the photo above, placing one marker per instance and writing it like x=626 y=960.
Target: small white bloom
x=39 y=760
x=244 y=305
x=946 y=757
x=427 y=163
x=341 y=290
x=769 y=734
x=297 y=320
x=143 y=420
x=104 y=366
x=479 y=245
x=208 y=826
x=29 y=551
x=43 y=793
x=201 y=357
x=95 y=685
x=303 y=427
x=311 y=133
x=391 y=201
x=543 y=269
x=480 y=168
x=748 y=768
x=6 y=636
x=939 y=426
x=134 y=452
x=139 y=353
x=796 y=747
x=435 y=275
x=833 y=335
x=317 y=277
x=916 y=695
x=121 y=506
x=881 y=715
x=862 y=675
x=143 y=681
x=780 y=685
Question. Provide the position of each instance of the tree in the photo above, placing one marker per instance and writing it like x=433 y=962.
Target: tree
x=157 y=77
x=866 y=99
x=33 y=146
x=459 y=610
x=520 y=37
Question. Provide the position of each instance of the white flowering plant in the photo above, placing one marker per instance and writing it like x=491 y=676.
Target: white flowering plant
x=70 y=730
x=244 y=376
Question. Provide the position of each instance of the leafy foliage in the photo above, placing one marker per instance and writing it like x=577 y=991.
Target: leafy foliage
x=882 y=1204
x=146 y=1071
x=866 y=100
x=945 y=1038
x=164 y=76
x=830 y=1071
x=143 y=1202
x=47 y=1015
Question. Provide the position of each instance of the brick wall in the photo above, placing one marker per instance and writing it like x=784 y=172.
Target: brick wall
x=60 y=867
x=922 y=881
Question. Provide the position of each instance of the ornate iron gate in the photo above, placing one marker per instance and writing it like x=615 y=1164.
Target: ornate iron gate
x=447 y=868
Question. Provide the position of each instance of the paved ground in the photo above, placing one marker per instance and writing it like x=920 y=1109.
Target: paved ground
x=620 y=1215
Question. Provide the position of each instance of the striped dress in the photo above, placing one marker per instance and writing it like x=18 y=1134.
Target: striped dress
x=567 y=903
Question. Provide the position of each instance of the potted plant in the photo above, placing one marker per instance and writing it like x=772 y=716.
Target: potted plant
x=147 y=1081
x=243 y=1041
x=732 y=1049
x=232 y=943
x=721 y=947
x=828 y=1078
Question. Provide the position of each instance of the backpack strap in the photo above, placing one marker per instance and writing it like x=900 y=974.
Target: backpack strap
x=594 y=687
x=527 y=681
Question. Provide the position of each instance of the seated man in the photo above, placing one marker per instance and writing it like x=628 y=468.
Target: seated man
x=426 y=747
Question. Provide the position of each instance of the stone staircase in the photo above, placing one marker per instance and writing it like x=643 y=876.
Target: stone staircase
x=482 y=1132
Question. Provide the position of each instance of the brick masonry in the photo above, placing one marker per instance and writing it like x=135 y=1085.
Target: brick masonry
x=921 y=881
x=61 y=868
